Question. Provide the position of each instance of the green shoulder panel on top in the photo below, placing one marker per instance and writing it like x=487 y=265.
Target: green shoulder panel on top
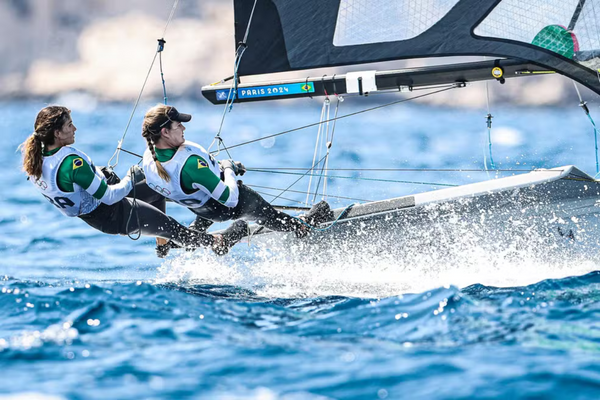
x=196 y=171
x=74 y=169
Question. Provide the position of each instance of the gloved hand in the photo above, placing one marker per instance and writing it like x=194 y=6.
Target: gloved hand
x=111 y=177
x=241 y=169
x=136 y=173
x=237 y=167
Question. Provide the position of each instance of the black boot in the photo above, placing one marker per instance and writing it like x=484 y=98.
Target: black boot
x=162 y=250
x=318 y=214
x=230 y=237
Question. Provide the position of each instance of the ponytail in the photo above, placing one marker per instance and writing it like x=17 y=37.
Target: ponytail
x=32 y=156
x=48 y=120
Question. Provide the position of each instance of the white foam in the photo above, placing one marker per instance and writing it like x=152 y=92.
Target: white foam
x=412 y=257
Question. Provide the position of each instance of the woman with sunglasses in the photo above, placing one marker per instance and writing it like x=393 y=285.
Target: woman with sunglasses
x=67 y=177
x=184 y=172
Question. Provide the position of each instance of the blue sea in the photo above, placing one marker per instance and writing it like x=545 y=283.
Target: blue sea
x=85 y=315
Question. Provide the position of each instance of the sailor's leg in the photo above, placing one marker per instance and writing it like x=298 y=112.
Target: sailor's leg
x=251 y=206
x=200 y=223
x=129 y=217
x=212 y=211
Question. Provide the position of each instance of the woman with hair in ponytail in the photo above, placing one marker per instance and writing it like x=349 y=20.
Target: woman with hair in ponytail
x=68 y=178
x=184 y=172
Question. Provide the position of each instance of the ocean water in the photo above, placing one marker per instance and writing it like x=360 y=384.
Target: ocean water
x=85 y=315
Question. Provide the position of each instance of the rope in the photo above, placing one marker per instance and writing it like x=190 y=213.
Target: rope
x=346 y=116
x=137 y=101
x=357 y=178
x=133 y=207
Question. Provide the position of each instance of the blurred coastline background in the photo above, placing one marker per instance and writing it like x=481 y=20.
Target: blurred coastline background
x=103 y=48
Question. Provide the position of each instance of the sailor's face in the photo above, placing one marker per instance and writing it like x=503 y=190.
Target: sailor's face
x=66 y=135
x=174 y=136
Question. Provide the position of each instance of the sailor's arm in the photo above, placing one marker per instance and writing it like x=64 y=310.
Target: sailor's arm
x=84 y=176
x=197 y=176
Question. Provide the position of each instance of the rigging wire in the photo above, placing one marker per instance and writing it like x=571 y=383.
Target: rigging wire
x=328 y=144
x=279 y=197
x=161 y=44
x=232 y=95
x=455 y=86
x=397 y=169
x=586 y=110
x=307 y=173
x=488 y=119
x=443 y=89
x=115 y=156
x=324 y=117
x=161 y=47
x=302 y=192
x=296 y=181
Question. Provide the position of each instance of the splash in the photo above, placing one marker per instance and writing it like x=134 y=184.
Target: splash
x=435 y=246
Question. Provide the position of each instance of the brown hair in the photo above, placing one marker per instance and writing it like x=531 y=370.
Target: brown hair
x=49 y=120
x=154 y=120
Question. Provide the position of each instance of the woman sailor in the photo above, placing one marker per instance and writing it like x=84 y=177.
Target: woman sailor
x=67 y=177
x=184 y=172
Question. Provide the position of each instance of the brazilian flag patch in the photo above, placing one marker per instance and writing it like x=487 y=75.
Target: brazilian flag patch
x=202 y=163
x=78 y=162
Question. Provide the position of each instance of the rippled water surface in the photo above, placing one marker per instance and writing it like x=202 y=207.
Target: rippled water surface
x=90 y=316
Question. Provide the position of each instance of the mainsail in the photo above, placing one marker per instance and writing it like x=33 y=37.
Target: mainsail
x=286 y=35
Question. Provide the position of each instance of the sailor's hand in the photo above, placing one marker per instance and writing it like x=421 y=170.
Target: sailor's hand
x=111 y=177
x=237 y=167
x=241 y=169
x=136 y=173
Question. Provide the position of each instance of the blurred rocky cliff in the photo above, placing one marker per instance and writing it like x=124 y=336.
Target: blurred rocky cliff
x=105 y=47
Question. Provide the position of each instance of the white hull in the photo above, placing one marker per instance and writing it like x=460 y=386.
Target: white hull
x=543 y=209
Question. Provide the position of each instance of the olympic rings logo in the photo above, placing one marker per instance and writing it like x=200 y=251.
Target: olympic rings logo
x=161 y=190
x=42 y=184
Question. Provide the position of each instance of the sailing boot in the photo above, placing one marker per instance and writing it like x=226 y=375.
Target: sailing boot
x=229 y=237
x=319 y=213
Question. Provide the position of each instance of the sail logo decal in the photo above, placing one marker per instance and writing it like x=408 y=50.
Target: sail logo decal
x=268 y=91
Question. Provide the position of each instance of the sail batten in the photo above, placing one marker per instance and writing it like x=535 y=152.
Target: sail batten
x=307 y=34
